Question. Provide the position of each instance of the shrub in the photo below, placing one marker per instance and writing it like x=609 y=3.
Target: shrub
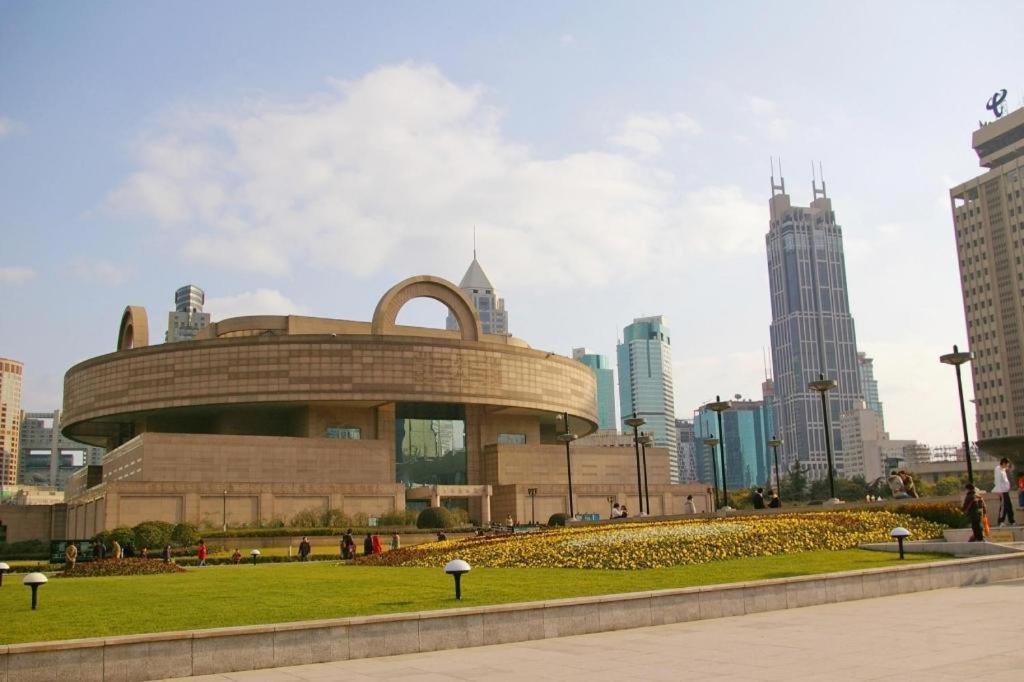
x=124 y=536
x=185 y=535
x=406 y=517
x=557 y=519
x=948 y=514
x=307 y=518
x=435 y=517
x=333 y=518
x=153 y=534
x=26 y=549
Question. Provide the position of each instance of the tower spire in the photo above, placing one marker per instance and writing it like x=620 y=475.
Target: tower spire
x=818 y=193
x=781 y=187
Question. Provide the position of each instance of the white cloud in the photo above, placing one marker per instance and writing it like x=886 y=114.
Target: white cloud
x=259 y=302
x=567 y=39
x=15 y=274
x=767 y=121
x=761 y=106
x=647 y=133
x=383 y=172
x=100 y=271
x=7 y=126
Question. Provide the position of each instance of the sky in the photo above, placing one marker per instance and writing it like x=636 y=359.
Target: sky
x=613 y=157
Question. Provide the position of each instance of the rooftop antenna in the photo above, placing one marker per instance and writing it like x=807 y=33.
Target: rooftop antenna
x=781 y=187
x=474 y=242
x=764 y=356
x=818 y=193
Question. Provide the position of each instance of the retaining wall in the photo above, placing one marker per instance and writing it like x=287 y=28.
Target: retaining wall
x=200 y=652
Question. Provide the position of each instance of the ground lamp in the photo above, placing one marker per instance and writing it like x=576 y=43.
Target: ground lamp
x=3 y=569
x=255 y=554
x=567 y=438
x=532 y=492
x=456 y=568
x=720 y=406
x=645 y=441
x=823 y=386
x=635 y=423
x=712 y=442
x=34 y=580
x=957 y=358
x=900 y=533
x=774 y=443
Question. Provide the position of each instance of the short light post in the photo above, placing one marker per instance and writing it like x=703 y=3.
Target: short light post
x=4 y=568
x=34 y=580
x=225 y=508
x=646 y=440
x=718 y=407
x=712 y=442
x=957 y=358
x=457 y=568
x=255 y=554
x=900 y=533
x=774 y=444
x=635 y=423
x=532 y=492
x=611 y=503
x=568 y=437
x=823 y=386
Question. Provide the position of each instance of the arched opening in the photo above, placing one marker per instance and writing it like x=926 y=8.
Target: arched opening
x=425 y=286
x=426 y=313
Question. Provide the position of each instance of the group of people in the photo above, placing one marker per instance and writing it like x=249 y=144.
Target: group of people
x=757 y=499
x=974 y=506
x=901 y=484
x=371 y=544
x=619 y=511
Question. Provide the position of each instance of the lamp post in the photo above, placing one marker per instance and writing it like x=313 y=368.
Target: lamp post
x=635 y=423
x=225 y=511
x=457 y=568
x=901 y=534
x=256 y=553
x=532 y=492
x=823 y=386
x=567 y=438
x=711 y=443
x=774 y=443
x=646 y=440
x=957 y=358
x=34 y=580
x=720 y=406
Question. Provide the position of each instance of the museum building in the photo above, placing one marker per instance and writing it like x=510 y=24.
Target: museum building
x=259 y=418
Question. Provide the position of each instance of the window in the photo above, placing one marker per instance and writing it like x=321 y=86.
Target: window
x=512 y=439
x=344 y=432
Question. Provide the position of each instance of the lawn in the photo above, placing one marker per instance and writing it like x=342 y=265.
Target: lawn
x=220 y=596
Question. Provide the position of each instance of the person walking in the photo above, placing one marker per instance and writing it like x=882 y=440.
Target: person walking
x=202 y=552
x=70 y=557
x=396 y=541
x=757 y=497
x=974 y=509
x=236 y=558
x=99 y=551
x=367 y=545
x=1001 y=476
x=304 y=549
x=167 y=554
x=348 y=545
x=689 y=507
x=375 y=542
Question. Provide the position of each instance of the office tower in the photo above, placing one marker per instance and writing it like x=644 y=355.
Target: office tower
x=748 y=426
x=988 y=216
x=812 y=330
x=48 y=458
x=490 y=308
x=869 y=385
x=645 y=382
x=686 y=446
x=606 y=417
x=188 y=317
x=10 y=420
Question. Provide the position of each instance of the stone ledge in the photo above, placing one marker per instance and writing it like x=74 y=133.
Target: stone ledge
x=136 y=658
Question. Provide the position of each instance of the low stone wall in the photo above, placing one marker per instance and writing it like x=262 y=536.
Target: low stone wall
x=200 y=652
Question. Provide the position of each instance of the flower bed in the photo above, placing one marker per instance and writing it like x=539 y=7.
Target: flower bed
x=668 y=543
x=109 y=567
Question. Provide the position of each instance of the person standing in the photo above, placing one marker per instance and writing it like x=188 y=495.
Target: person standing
x=167 y=554
x=202 y=552
x=236 y=558
x=99 y=551
x=375 y=542
x=115 y=548
x=304 y=549
x=1001 y=476
x=616 y=512
x=689 y=507
x=348 y=545
x=367 y=545
x=396 y=541
x=1020 y=492
x=974 y=509
x=70 y=556
x=757 y=497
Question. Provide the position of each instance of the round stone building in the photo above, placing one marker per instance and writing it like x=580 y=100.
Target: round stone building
x=260 y=418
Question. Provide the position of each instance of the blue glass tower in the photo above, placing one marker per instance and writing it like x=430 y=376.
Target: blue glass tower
x=602 y=368
x=748 y=427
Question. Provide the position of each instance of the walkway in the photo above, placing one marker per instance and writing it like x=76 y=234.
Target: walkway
x=939 y=635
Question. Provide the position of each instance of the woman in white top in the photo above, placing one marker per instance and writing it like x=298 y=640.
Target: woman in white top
x=1002 y=488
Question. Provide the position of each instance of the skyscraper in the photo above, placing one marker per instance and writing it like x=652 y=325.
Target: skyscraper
x=47 y=457
x=187 y=318
x=812 y=330
x=645 y=382
x=602 y=368
x=10 y=419
x=490 y=308
x=988 y=216
x=869 y=385
x=686 y=448
x=748 y=428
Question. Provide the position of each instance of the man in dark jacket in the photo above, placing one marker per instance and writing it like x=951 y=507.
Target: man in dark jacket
x=304 y=549
x=974 y=509
x=757 y=497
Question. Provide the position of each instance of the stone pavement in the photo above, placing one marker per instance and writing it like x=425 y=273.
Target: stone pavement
x=947 y=634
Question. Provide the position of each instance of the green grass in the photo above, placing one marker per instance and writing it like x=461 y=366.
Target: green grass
x=219 y=596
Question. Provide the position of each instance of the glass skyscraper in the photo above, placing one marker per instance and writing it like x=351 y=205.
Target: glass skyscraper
x=605 y=375
x=645 y=382
x=812 y=330
x=748 y=427
x=868 y=384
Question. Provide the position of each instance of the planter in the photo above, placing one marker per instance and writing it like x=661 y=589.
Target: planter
x=957 y=534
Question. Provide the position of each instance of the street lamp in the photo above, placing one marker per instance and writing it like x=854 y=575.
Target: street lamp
x=823 y=386
x=34 y=580
x=957 y=358
x=646 y=440
x=532 y=492
x=567 y=438
x=774 y=444
x=256 y=553
x=457 y=568
x=712 y=442
x=3 y=569
x=635 y=423
x=720 y=406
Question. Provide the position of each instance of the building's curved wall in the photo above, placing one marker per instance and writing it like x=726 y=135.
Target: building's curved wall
x=304 y=369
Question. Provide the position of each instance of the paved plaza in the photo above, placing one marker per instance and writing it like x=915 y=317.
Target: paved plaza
x=952 y=634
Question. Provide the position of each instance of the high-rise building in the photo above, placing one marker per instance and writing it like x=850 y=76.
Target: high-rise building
x=490 y=308
x=748 y=427
x=812 y=330
x=10 y=420
x=863 y=435
x=645 y=382
x=602 y=368
x=48 y=458
x=685 y=447
x=187 y=318
x=988 y=216
x=869 y=385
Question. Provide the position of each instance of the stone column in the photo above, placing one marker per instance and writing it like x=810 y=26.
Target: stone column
x=435 y=497
x=485 y=507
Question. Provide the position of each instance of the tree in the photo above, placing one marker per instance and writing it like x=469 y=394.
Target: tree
x=794 y=483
